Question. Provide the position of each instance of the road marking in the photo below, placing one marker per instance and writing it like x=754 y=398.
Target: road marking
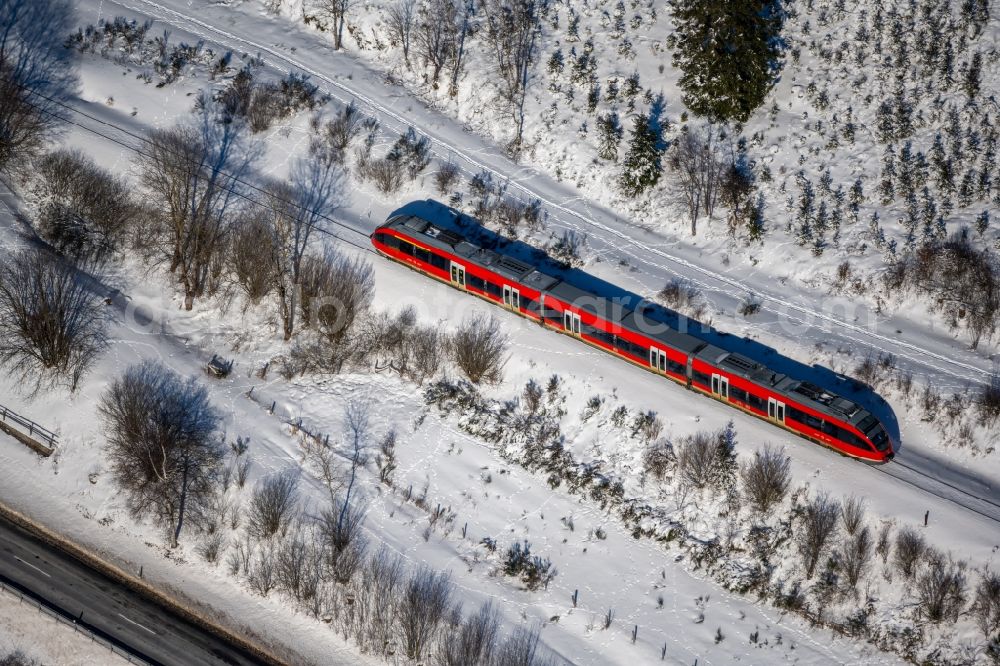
x=27 y=564
x=137 y=624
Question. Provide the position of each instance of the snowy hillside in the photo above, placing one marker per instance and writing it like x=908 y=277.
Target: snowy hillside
x=559 y=503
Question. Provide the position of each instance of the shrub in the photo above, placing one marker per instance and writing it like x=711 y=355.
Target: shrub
x=83 y=211
x=910 y=548
x=251 y=242
x=52 y=325
x=659 y=458
x=988 y=400
x=853 y=514
x=766 y=478
x=532 y=570
x=568 y=248
x=941 y=589
x=986 y=607
x=479 y=348
x=445 y=177
x=855 y=555
x=273 y=504
x=819 y=523
x=680 y=295
x=708 y=459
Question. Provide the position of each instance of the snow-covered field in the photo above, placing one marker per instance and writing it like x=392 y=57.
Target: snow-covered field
x=37 y=636
x=676 y=605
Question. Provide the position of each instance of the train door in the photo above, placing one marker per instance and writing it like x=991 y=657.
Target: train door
x=458 y=275
x=720 y=386
x=571 y=322
x=775 y=410
x=511 y=298
x=657 y=359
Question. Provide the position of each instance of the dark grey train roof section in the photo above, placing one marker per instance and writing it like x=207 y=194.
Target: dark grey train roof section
x=640 y=323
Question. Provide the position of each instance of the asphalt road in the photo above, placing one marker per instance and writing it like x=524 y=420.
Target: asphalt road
x=107 y=607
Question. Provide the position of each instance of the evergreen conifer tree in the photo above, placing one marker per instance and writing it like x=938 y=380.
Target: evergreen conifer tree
x=642 y=166
x=609 y=135
x=727 y=51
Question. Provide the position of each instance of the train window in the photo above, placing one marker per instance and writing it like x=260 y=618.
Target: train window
x=475 y=282
x=701 y=378
x=737 y=394
x=675 y=367
x=755 y=401
x=422 y=255
x=437 y=261
x=388 y=241
x=600 y=335
x=493 y=289
x=406 y=248
x=380 y=237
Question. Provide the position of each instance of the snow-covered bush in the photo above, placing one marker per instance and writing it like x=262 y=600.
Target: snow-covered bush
x=708 y=459
x=909 y=550
x=818 y=526
x=766 y=478
x=52 y=324
x=273 y=504
x=479 y=348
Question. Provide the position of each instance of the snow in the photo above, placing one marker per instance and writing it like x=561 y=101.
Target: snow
x=636 y=252
x=41 y=637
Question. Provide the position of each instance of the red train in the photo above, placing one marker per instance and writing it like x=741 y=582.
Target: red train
x=440 y=242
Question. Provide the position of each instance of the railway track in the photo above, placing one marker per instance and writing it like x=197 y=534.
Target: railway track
x=985 y=507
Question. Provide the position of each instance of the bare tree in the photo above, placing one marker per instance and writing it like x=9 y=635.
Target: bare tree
x=479 y=348
x=273 y=504
x=819 y=523
x=435 y=35
x=426 y=600
x=336 y=12
x=473 y=642
x=295 y=212
x=163 y=445
x=296 y=559
x=262 y=573
x=766 y=478
x=401 y=17
x=194 y=172
x=52 y=326
x=83 y=211
x=36 y=76
x=697 y=171
x=513 y=30
x=910 y=549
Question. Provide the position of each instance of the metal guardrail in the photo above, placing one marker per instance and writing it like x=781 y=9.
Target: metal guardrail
x=94 y=638
x=31 y=428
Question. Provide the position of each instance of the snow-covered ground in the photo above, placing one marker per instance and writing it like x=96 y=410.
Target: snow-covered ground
x=38 y=636
x=648 y=586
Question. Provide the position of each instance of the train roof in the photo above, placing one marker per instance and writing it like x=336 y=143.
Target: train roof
x=646 y=319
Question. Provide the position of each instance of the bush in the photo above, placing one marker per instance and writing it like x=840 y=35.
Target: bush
x=856 y=554
x=52 y=325
x=252 y=243
x=766 y=478
x=387 y=174
x=426 y=600
x=568 y=249
x=986 y=607
x=910 y=548
x=336 y=291
x=941 y=589
x=708 y=459
x=988 y=400
x=445 y=177
x=853 y=514
x=819 y=523
x=83 y=211
x=162 y=445
x=17 y=658
x=479 y=348
x=680 y=295
x=273 y=504
x=659 y=458
x=532 y=570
